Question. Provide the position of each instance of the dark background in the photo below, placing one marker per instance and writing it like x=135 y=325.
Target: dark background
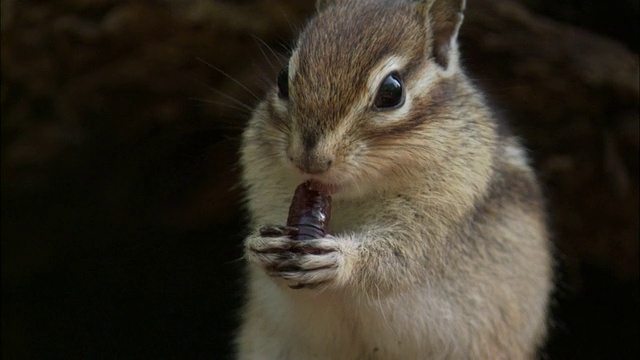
x=121 y=219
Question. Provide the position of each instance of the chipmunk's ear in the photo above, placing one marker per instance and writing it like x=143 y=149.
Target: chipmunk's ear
x=444 y=18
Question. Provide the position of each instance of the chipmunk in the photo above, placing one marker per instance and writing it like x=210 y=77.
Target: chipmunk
x=437 y=246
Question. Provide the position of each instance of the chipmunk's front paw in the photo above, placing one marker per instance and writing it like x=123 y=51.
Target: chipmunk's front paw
x=306 y=263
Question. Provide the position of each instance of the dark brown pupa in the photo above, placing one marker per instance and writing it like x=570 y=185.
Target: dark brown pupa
x=309 y=212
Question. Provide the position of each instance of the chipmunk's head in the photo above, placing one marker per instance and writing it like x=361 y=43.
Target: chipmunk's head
x=363 y=85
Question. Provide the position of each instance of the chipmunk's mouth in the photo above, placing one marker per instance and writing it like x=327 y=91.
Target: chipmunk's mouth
x=329 y=188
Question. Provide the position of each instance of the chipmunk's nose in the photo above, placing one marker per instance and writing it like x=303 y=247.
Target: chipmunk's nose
x=311 y=162
x=310 y=153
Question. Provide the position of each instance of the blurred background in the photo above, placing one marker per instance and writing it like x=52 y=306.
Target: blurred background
x=121 y=216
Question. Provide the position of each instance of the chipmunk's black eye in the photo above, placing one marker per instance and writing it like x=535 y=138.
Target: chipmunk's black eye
x=390 y=94
x=283 y=83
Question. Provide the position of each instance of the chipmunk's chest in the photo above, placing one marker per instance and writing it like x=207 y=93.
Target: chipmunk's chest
x=354 y=215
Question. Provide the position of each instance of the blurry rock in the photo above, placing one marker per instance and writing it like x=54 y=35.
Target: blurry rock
x=573 y=96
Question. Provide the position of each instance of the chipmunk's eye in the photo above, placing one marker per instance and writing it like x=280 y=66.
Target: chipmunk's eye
x=390 y=94
x=283 y=83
